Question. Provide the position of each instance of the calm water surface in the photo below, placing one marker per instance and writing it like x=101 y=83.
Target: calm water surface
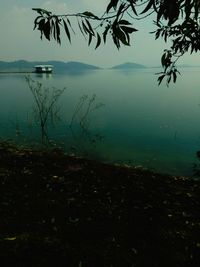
x=139 y=122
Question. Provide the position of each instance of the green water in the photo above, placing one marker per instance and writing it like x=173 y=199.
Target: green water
x=140 y=123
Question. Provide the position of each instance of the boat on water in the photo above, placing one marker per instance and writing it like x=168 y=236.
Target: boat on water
x=43 y=68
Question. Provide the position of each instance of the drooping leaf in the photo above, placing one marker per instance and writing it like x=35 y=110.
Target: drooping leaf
x=54 y=29
x=169 y=79
x=89 y=26
x=112 y=4
x=165 y=36
x=86 y=30
x=120 y=35
x=116 y=41
x=67 y=30
x=36 y=21
x=105 y=33
x=174 y=76
x=41 y=24
x=148 y=6
x=157 y=33
x=81 y=29
x=98 y=41
x=127 y=36
x=52 y=26
x=47 y=29
x=120 y=9
x=57 y=27
x=69 y=22
x=160 y=78
x=90 y=38
x=160 y=13
x=124 y=22
x=132 y=7
x=128 y=29
x=163 y=58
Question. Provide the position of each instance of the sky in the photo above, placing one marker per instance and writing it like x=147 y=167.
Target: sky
x=19 y=41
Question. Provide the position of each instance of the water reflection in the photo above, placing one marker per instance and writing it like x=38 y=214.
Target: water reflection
x=84 y=137
x=43 y=76
x=77 y=72
x=196 y=165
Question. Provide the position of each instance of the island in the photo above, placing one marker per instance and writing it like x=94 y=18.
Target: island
x=128 y=66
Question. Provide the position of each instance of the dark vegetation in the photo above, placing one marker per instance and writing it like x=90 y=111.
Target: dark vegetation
x=62 y=210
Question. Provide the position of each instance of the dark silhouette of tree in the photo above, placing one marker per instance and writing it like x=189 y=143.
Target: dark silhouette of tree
x=177 y=21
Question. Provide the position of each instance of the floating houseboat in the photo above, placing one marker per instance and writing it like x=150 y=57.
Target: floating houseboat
x=43 y=69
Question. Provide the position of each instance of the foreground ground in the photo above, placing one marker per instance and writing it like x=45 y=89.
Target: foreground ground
x=66 y=211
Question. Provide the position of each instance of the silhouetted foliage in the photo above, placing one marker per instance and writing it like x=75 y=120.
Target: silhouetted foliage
x=45 y=108
x=176 y=21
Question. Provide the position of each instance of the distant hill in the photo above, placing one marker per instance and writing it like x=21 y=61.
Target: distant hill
x=129 y=65
x=19 y=65
x=73 y=65
x=23 y=65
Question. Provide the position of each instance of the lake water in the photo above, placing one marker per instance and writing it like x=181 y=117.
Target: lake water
x=139 y=123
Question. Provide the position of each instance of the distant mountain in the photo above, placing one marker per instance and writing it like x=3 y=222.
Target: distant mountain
x=73 y=65
x=129 y=65
x=70 y=66
x=23 y=65
x=18 y=65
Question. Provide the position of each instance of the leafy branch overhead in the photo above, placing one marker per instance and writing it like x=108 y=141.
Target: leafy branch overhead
x=177 y=22
x=50 y=26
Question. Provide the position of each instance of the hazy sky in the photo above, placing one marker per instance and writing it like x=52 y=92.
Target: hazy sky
x=19 y=41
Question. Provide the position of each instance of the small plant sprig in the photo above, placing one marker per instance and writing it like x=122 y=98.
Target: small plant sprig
x=45 y=109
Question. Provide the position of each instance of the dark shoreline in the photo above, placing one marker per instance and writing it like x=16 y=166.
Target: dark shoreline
x=58 y=208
